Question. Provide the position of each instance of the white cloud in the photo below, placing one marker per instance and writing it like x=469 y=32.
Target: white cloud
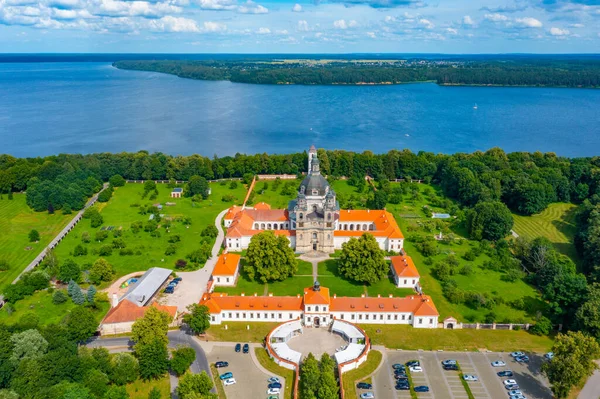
x=452 y=31
x=371 y=35
x=216 y=4
x=302 y=26
x=577 y=26
x=496 y=17
x=529 y=22
x=174 y=24
x=467 y=20
x=263 y=31
x=426 y=23
x=297 y=8
x=282 y=32
x=213 y=27
x=340 y=24
x=559 y=32
x=251 y=7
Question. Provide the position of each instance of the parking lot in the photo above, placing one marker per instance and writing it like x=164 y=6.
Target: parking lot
x=251 y=382
x=446 y=383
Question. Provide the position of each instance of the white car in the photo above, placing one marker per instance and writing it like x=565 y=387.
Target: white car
x=229 y=381
x=549 y=355
x=416 y=369
x=517 y=397
x=498 y=363
x=273 y=379
x=515 y=392
x=517 y=354
x=367 y=395
x=468 y=377
x=273 y=391
x=509 y=382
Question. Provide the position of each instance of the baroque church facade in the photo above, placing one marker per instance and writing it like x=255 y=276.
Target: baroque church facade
x=313 y=221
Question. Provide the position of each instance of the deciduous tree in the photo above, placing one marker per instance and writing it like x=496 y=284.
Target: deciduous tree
x=69 y=270
x=191 y=384
x=182 y=359
x=198 y=318
x=28 y=344
x=34 y=236
x=153 y=358
x=489 y=221
x=125 y=368
x=81 y=324
x=153 y=326
x=270 y=258
x=362 y=260
x=101 y=271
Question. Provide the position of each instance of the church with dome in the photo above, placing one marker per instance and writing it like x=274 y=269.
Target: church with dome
x=313 y=221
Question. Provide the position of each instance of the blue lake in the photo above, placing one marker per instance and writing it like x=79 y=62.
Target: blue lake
x=51 y=108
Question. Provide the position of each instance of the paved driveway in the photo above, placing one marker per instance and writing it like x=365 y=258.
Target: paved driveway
x=251 y=382
x=447 y=384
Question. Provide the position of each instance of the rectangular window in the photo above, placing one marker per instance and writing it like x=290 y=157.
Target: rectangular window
x=218 y=279
x=405 y=281
x=251 y=315
x=229 y=315
x=380 y=317
x=309 y=308
x=353 y=316
x=272 y=315
x=258 y=315
x=308 y=319
x=291 y=316
x=389 y=317
x=409 y=317
x=280 y=315
x=212 y=318
x=403 y=317
x=244 y=316
x=366 y=317
x=359 y=317
x=420 y=321
x=430 y=321
x=414 y=281
x=342 y=316
x=227 y=279
x=237 y=315
x=395 y=317
x=229 y=244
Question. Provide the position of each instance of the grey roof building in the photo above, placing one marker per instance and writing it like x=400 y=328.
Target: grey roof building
x=147 y=286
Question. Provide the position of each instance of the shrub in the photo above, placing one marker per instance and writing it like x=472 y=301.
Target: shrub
x=117 y=233
x=228 y=198
x=155 y=234
x=96 y=220
x=4 y=265
x=233 y=185
x=210 y=231
x=105 y=195
x=85 y=237
x=543 y=326
x=512 y=275
x=136 y=227
x=180 y=263
x=171 y=249
x=117 y=181
x=101 y=271
x=150 y=226
x=34 y=236
x=467 y=270
x=118 y=243
x=101 y=235
x=59 y=297
x=470 y=255
x=80 y=250
x=182 y=359
x=126 y=252
x=174 y=238
x=105 y=250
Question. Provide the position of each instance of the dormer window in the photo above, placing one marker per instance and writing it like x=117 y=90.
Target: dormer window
x=315 y=191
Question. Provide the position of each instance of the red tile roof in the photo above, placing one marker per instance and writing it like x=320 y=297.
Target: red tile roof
x=404 y=266
x=231 y=212
x=420 y=305
x=243 y=222
x=262 y=205
x=227 y=264
x=312 y=297
x=385 y=223
x=221 y=301
x=127 y=311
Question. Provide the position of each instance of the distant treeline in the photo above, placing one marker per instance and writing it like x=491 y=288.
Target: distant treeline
x=510 y=72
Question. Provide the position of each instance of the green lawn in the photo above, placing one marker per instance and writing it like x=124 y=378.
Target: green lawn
x=387 y=287
x=268 y=363
x=291 y=286
x=149 y=251
x=237 y=331
x=556 y=223
x=304 y=268
x=16 y=221
x=41 y=304
x=274 y=198
x=141 y=388
x=330 y=277
x=410 y=338
x=328 y=268
x=352 y=377
x=244 y=286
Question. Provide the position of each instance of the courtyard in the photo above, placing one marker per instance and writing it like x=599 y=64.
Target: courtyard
x=316 y=341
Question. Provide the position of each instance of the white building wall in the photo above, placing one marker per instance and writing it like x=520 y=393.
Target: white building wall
x=374 y=317
x=227 y=222
x=254 y=315
x=425 y=322
x=406 y=282
x=239 y=244
x=224 y=281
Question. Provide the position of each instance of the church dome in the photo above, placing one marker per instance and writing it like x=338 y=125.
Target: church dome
x=314 y=184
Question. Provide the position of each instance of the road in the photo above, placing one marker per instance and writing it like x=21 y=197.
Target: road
x=193 y=285
x=591 y=390
x=63 y=233
x=176 y=338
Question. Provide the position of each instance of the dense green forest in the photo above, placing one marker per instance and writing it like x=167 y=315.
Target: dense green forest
x=503 y=72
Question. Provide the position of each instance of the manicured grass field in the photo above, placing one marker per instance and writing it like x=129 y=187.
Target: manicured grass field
x=410 y=338
x=16 y=221
x=41 y=304
x=556 y=223
x=304 y=268
x=352 y=377
x=387 y=287
x=268 y=363
x=149 y=251
x=274 y=198
x=237 y=331
x=140 y=389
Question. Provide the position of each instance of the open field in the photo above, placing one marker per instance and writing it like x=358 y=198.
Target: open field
x=352 y=377
x=410 y=338
x=141 y=388
x=16 y=221
x=237 y=331
x=41 y=304
x=556 y=223
x=124 y=208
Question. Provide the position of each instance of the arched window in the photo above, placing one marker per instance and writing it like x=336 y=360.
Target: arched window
x=314 y=208
x=275 y=226
x=255 y=226
x=282 y=226
x=328 y=236
x=372 y=227
x=314 y=236
x=300 y=216
x=268 y=226
x=364 y=227
x=262 y=226
x=351 y=227
x=329 y=216
x=358 y=227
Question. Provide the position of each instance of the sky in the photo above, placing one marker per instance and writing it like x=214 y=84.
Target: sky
x=317 y=26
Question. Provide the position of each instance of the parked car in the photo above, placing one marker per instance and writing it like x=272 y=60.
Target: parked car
x=364 y=385
x=509 y=382
x=246 y=348
x=450 y=367
x=238 y=347
x=273 y=379
x=367 y=395
x=413 y=363
x=221 y=364
x=273 y=391
x=511 y=387
x=422 y=388
x=275 y=385
x=448 y=362
x=178 y=279
x=398 y=366
x=549 y=355
x=498 y=363
x=273 y=397
x=505 y=373
x=226 y=375
x=517 y=354
x=469 y=377
x=522 y=359
x=416 y=369
x=401 y=386
x=517 y=397
x=174 y=283
x=229 y=381
x=169 y=290
x=399 y=372
x=515 y=392
x=401 y=378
